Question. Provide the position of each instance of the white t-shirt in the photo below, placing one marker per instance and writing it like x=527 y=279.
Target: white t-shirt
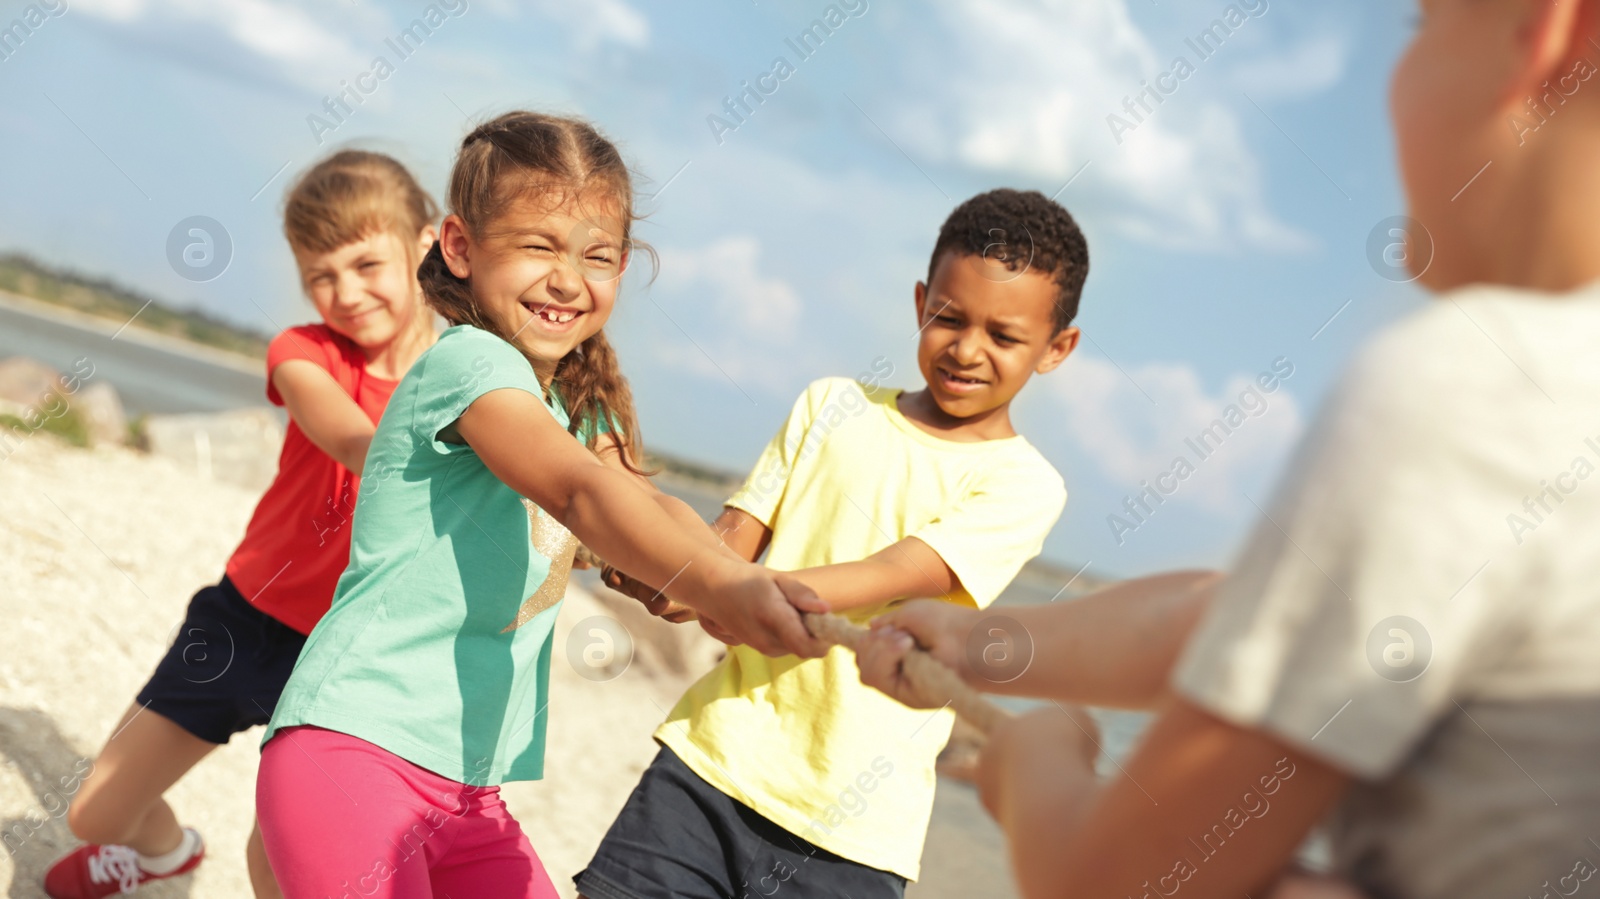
x=1421 y=607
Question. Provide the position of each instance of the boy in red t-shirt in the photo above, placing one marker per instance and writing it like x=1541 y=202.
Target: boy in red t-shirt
x=358 y=224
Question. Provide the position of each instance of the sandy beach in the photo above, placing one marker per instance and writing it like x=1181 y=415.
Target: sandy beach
x=105 y=546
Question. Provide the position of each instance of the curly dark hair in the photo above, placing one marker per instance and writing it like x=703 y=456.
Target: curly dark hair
x=1025 y=231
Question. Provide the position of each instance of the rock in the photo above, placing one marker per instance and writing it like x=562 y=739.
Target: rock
x=100 y=409
x=41 y=399
x=238 y=447
x=27 y=381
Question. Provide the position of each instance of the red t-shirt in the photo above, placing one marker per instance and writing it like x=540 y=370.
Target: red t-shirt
x=298 y=540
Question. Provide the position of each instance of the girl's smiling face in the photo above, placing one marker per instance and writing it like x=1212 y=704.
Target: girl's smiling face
x=549 y=273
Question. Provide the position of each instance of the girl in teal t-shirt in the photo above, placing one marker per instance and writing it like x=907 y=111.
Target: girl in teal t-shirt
x=425 y=685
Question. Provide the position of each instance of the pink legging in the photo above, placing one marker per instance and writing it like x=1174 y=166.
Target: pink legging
x=344 y=819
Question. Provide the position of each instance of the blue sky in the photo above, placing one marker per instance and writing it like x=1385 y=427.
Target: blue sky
x=1228 y=227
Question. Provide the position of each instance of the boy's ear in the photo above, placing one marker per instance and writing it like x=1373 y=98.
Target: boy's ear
x=1548 y=40
x=454 y=245
x=1061 y=346
x=921 y=294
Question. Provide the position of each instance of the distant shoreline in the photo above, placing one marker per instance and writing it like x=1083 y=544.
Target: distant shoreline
x=101 y=297
x=131 y=331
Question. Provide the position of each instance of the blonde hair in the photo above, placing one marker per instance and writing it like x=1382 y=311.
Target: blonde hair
x=355 y=194
x=500 y=159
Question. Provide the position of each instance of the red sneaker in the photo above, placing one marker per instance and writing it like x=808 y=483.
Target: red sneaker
x=94 y=872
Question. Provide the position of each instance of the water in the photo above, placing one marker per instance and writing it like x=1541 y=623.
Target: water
x=152 y=374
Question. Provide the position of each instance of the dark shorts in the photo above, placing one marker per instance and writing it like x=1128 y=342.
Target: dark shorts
x=679 y=836
x=226 y=667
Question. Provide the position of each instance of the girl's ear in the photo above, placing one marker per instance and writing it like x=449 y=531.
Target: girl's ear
x=455 y=245
x=627 y=256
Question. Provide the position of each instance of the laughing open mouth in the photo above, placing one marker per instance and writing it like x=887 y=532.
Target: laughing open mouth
x=552 y=315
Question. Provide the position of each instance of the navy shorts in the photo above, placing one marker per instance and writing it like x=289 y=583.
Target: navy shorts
x=226 y=667
x=679 y=836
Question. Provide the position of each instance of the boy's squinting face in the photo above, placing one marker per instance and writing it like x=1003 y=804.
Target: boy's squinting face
x=549 y=275
x=366 y=289
x=985 y=332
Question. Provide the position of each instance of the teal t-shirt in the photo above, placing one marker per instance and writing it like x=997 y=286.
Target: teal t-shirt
x=437 y=646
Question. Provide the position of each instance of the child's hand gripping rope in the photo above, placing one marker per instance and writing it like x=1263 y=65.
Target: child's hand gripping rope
x=921 y=679
x=925 y=682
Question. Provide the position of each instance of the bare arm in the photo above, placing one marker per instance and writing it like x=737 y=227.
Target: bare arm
x=904 y=569
x=524 y=446
x=326 y=414
x=737 y=533
x=907 y=568
x=1071 y=836
x=1188 y=811
x=654 y=600
x=610 y=455
x=742 y=533
x=1115 y=647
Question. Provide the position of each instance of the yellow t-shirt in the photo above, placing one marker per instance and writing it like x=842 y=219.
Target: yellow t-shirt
x=803 y=742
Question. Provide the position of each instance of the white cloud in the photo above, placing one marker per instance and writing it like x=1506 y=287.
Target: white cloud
x=1307 y=68
x=282 y=43
x=736 y=315
x=594 y=22
x=725 y=277
x=1135 y=429
x=1034 y=74
x=1028 y=86
x=276 y=43
x=301 y=45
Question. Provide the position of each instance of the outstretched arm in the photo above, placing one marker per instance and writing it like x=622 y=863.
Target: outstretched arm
x=607 y=450
x=326 y=414
x=1115 y=647
x=1205 y=806
x=525 y=447
x=907 y=568
x=1184 y=812
x=735 y=532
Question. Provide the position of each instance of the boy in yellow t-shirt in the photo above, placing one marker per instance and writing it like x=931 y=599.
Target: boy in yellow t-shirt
x=785 y=774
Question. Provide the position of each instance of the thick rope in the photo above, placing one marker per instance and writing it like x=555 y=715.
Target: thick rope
x=931 y=678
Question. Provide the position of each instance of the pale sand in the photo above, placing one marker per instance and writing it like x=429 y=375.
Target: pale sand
x=104 y=548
